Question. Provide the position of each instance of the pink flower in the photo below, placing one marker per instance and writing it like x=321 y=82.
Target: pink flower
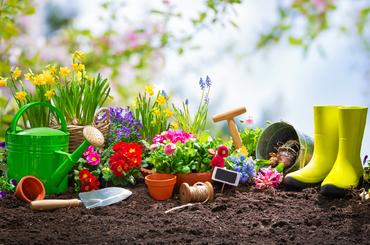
x=212 y=151
x=164 y=133
x=173 y=137
x=153 y=146
x=170 y=149
x=218 y=161
x=222 y=151
x=93 y=158
x=268 y=178
x=250 y=120
x=320 y=5
x=89 y=150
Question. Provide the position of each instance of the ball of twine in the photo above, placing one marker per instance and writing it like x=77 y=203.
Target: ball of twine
x=198 y=192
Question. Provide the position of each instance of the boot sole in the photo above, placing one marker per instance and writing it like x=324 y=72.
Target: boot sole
x=334 y=192
x=292 y=182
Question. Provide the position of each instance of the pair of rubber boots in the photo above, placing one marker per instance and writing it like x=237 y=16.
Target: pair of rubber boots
x=336 y=163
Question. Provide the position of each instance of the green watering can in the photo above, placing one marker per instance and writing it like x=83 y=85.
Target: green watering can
x=43 y=152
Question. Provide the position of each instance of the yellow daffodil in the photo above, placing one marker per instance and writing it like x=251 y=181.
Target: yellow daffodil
x=64 y=71
x=48 y=78
x=2 y=82
x=81 y=67
x=74 y=66
x=52 y=69
x=153 y=122
x=17 y=73
x=79 y=75
x=149 y=89
x=28 y=76
x=21 y=95
x=168 y=112
x=175 y=125
x=50 y=94
x=39 y=80
x=243 y=151
x=135 y=102
x=80 y=54
x=156 y=112
x=161 y=99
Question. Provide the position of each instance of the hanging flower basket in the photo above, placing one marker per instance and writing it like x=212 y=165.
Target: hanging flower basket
x=75 y=131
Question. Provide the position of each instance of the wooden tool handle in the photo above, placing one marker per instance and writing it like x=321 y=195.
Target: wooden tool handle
x=235 y=134
x=53 y=204
x=229 y=114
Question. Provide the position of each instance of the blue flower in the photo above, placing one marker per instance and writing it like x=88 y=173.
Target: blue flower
x=208 y=81
x=186 y=102
x=363 y=163
x=242 y=157
x=202 y=84
x=206 y=98
x=13 y=182
x=164 y=94
x=237 y=168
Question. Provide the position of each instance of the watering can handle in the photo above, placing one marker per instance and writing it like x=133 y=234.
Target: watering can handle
x=24 y=108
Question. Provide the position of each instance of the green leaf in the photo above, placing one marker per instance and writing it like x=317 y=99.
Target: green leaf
x=234 y=24
x=156 y=12
x=29 y=11
x=186 y=170
x=295 y=41
x=181 y=51
x=204 y=136
x=202 y=16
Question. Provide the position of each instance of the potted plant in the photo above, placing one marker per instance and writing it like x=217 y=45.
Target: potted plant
x=183 y=155
x=72 y=92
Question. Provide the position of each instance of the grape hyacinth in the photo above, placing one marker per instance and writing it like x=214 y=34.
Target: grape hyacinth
x=124 y=128
x=202 y=84
x=246 y=166
x=206 y=99
x=208 y=81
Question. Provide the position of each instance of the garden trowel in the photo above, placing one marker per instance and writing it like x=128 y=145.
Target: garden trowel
x=90 y=199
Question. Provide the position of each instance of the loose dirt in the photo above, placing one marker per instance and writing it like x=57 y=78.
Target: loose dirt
x=240 y=215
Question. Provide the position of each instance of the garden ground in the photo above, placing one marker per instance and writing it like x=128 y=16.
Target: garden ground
x=240 y=215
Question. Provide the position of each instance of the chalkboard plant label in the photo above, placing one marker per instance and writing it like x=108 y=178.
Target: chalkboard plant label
x=226 y=176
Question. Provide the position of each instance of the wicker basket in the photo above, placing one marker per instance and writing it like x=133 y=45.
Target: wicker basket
x=75 y=132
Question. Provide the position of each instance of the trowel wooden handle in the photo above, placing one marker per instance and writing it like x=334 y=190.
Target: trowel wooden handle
x=235 y=134
x=53 y=204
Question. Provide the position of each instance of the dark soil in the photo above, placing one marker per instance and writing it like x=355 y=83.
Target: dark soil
x=240 y=215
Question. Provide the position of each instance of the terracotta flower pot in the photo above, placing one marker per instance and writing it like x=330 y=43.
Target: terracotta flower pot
x=193 y=178
x=190 y=178
x=160 y=185
x=30 y=189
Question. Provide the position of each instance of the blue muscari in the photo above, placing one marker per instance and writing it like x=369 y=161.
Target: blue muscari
x=202 y=84
x=245 y=166
x=208 y=81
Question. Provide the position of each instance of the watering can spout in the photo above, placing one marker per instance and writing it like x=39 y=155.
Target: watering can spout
x=68 y=164
x=92 y=136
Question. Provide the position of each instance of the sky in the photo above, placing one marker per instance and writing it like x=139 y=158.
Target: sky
x=279 y=83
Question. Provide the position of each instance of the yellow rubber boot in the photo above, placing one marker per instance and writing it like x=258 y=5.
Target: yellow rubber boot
x=325 y=152
x=347 y=170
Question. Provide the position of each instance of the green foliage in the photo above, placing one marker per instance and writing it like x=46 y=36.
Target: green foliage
x=198 y=123
x=10 y=11
x=6 y=185
x=250 y=138
x=80 y=98
x=190 y=157
x=7 y=111
x=152 y=116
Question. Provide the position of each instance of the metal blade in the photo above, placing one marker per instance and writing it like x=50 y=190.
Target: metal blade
x=104 y=196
